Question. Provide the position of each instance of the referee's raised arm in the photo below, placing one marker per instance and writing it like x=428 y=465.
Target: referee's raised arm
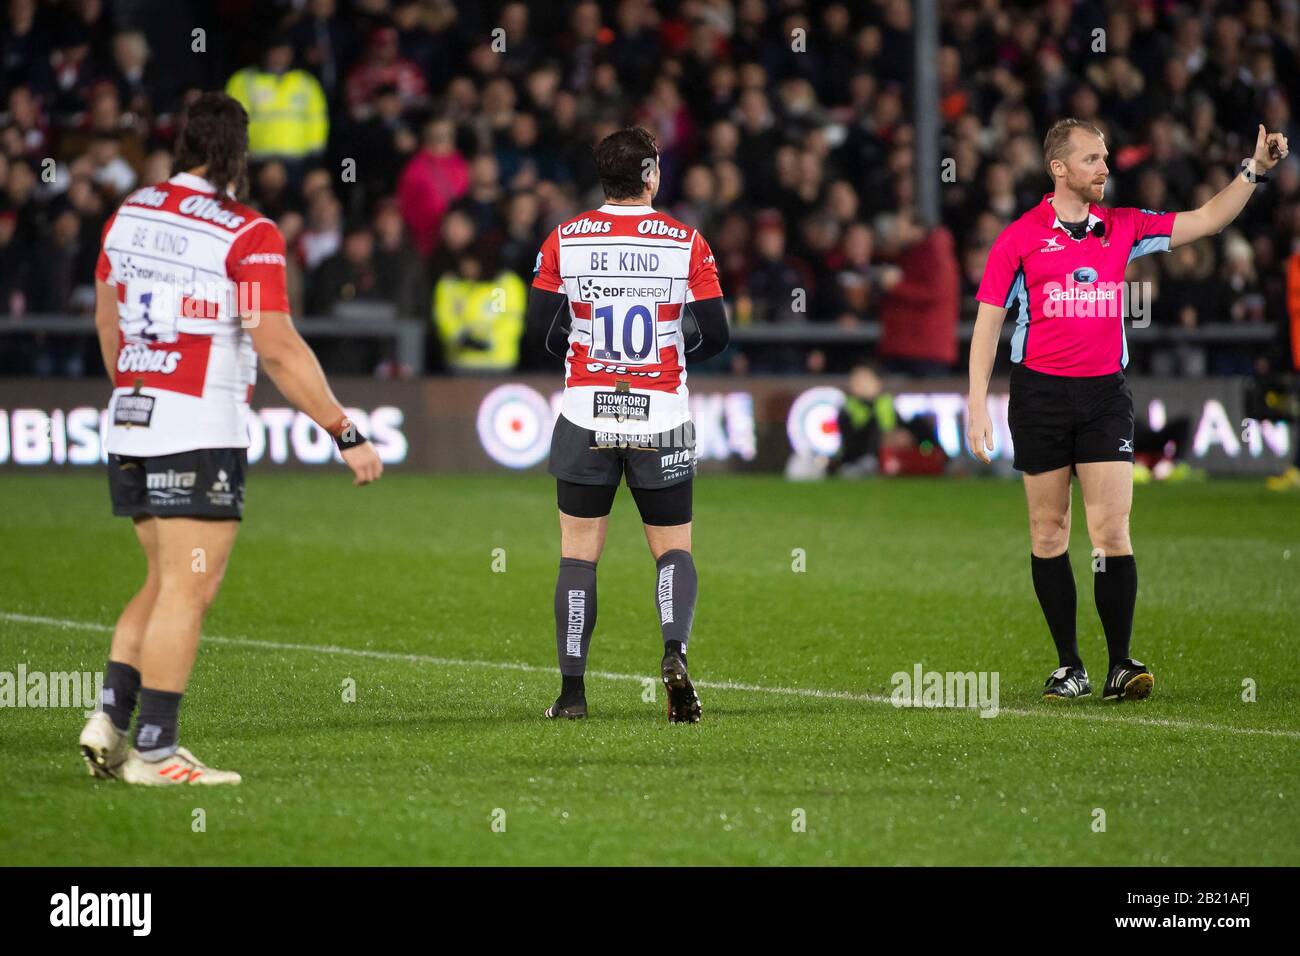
x=983 y=350
x=1221 y=209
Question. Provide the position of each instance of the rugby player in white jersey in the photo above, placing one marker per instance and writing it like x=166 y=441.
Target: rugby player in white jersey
x=190 y=290
x=627 y=294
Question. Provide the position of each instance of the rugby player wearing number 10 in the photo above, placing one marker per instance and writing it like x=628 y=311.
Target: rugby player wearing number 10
x=616 y=288
x=1071 y=409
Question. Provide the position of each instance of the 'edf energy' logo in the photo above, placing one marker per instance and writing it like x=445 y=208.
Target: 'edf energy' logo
x=514 y=425
x=812 y=424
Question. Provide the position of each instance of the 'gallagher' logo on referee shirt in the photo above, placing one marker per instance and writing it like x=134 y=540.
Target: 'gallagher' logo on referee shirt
x=1084 y=299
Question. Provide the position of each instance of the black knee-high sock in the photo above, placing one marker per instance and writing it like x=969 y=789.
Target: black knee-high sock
x=156 y=727
x=1054 y=585
x=1115 y=588
x=575 y=615
x=676 y=586
x=120 y=693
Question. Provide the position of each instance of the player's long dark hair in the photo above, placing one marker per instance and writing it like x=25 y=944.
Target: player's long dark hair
x=215 y=135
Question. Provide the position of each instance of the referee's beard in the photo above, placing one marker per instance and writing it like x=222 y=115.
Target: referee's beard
x=1084 y=190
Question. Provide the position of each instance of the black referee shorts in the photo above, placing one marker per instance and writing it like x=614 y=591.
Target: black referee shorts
x=1058 y=421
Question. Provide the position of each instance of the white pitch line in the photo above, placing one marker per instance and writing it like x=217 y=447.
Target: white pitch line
x=812 y=692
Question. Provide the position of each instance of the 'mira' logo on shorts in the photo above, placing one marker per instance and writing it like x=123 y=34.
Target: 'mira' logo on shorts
x=675 y=463
x=160 y=480
x=170 y=487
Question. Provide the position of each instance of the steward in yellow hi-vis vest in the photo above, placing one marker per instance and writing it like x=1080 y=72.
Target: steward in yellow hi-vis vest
x=479 y=320
x=288 y=117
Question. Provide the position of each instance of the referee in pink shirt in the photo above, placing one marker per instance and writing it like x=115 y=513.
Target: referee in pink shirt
x=1062 y=263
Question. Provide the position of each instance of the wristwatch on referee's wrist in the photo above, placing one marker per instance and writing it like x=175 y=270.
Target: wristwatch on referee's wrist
x=1248 y=170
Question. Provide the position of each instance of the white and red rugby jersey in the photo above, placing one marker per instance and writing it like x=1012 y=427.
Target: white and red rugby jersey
x=628 y=271
x=186 y=262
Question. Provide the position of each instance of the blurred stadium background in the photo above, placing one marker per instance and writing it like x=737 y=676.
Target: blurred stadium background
x=850 y=164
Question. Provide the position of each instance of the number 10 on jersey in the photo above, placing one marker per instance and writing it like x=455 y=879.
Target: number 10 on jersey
x=633 y=339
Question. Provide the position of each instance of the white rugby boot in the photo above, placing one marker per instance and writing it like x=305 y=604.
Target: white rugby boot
x=181 y=767
x=103 y=746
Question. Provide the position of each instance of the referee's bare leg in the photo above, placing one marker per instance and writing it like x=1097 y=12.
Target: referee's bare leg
x=1048 y=494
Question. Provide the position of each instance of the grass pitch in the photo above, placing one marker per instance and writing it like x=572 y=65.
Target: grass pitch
x=394 y=587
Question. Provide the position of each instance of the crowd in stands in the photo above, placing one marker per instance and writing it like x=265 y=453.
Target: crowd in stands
x=416 y=152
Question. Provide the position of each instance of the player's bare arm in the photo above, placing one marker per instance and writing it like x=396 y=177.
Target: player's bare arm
x=106 y=327
x=1213 y=217
x=983 y=348
x=294 y=369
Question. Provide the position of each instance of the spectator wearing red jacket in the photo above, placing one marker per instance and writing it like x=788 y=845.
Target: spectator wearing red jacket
x=436 y=177
x=919 y=311
x=383 y=65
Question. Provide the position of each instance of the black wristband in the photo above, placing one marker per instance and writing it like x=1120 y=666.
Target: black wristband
x=347 y=435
